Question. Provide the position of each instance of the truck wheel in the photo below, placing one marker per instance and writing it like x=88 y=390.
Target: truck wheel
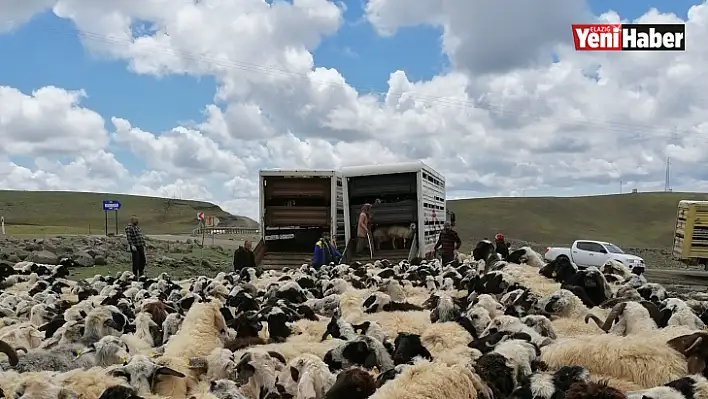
x=563 y=257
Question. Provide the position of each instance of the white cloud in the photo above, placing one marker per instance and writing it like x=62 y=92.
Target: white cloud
x=506 y=120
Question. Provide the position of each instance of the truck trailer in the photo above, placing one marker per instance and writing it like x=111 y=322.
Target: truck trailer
x=407 y=195
x=296 y=208
x=691 y=233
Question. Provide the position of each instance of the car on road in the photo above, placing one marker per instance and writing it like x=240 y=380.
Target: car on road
x=584 y=253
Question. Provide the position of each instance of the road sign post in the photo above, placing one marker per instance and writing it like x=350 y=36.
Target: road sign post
x=111 y=206
x=2 y=222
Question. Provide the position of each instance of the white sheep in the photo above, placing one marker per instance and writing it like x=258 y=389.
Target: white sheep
x=401 y=233
x=682 y=314
x=628 y=318
x=307 y=377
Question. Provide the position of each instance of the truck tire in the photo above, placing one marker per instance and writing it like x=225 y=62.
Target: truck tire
x=563 y=257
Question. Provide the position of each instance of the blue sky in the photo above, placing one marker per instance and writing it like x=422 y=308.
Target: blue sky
x=362 y=57
x=46 y=51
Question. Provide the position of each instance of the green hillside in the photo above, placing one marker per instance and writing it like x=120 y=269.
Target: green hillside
x=643 y=220
x=53 y=212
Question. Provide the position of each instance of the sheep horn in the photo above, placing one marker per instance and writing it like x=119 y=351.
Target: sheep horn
x=614 y=301
x=594 y=318
x=653 y=311
x=613 y=316
x=10 y=352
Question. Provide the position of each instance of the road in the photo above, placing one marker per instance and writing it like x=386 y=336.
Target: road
x=232 y=242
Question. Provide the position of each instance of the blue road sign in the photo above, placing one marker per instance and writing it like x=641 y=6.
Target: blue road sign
x=110 y=205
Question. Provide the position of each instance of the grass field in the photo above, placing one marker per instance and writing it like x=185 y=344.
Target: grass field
x=153 y=269
x=643 y=220
x=52 y=212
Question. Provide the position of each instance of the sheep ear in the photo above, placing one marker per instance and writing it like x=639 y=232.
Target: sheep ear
x=686 y=343
x=294 y=374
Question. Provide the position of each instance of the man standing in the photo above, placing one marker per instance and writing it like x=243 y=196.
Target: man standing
x=244 y=257
x=450 y=242
x=362 y=229
x=136 y=241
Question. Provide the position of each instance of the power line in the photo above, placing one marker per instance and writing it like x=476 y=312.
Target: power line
x=668 y=133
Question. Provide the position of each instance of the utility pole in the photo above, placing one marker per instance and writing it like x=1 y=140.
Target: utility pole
x=667 y=178
x=621 y=183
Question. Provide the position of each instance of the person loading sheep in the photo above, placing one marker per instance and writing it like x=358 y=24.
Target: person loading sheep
x=501 y=245
x=325 y=252
x=362 y=229
x=449 y=242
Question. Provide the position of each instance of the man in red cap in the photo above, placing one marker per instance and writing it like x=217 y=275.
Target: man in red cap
x=502 y=246
x=449 y=242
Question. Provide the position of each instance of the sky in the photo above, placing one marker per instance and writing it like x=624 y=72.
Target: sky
x=190 y=99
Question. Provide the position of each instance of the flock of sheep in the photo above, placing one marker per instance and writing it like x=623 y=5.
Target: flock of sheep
x=523 y=329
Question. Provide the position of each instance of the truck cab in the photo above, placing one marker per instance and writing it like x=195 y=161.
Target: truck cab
x=584 y=253
x=691 y=233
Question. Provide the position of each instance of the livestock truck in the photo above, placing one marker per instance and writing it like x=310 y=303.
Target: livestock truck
x=402 y=195
x=296 y=208
x=691 y=233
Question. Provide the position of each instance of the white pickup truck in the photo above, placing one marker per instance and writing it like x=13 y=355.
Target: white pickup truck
x=585 y=253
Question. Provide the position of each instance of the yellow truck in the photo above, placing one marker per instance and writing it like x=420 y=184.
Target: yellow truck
x=691 y=234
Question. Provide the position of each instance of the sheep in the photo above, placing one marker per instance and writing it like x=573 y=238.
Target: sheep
x=679 y=314
x=201 y=332
x=305 y=376
x=444 y=309
x=408 y=346
x=61 y=358
x=400 y=233
x=432 y=380
x=550 y=385
x=629 y=318
x=259 y=371
x=362 y=351
x=689 y=387
x=171 y=325
x=648 y=362
x=142 y=373
x=353 y=383
x=652 y=292
x=380 y=235
x=527 y=256
x=509 y=362
x=513 y=324
x=108 y=351
x=225 y=389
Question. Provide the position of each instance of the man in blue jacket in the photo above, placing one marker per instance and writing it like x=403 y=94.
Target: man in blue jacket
x=325 y=252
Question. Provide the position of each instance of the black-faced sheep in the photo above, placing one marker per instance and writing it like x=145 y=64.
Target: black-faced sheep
x=353 y=383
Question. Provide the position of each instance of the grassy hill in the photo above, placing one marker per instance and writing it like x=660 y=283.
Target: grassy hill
x=643 y=220
x=54 y=212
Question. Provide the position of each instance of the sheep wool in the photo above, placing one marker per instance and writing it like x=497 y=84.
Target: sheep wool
x=426 y=380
